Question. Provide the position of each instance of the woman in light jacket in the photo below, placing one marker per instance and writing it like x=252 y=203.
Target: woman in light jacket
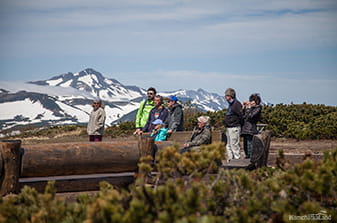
x=96 y=122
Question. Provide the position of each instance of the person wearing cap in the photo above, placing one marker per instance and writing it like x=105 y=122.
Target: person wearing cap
x=95 y=128
x=158 y=112
x=159 y=133
x=175 y=120
x=201 y=135
x=144 y=110
x=233 y=121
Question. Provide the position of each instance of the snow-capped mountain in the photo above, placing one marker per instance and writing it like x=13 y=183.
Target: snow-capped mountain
x=66 y=99
x=95 y=84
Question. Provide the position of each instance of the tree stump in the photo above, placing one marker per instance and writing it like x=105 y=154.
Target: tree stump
x=261 y=144
x=10 y=166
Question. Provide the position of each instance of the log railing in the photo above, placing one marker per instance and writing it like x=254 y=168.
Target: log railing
x=79 y=164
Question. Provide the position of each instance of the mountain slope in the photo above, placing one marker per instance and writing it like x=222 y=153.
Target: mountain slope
x=94 y=83
x=66 y=99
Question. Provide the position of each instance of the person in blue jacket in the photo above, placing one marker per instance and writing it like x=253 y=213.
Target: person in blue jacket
x=159 y=133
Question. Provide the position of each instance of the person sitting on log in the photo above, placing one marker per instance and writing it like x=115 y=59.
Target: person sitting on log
x=160 y=132
x=201 y=135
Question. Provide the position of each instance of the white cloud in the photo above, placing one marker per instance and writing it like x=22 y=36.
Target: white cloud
x=152 y=28
x=161 y=30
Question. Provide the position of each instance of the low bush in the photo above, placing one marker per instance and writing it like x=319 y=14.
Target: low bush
x=190 y=187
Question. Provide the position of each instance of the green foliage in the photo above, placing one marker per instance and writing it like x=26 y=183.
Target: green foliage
x=53 y=131
x=181 y=195
x=303 y=121
x=120 y=130
x=30 y=206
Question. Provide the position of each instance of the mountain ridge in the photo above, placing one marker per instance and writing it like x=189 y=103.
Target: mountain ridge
x=66 y=99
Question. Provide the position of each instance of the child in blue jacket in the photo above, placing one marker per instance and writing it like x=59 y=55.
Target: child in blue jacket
x=160 y=132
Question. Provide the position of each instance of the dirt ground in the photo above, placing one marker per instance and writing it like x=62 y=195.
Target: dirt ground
x=302 y=146
x=287 y=145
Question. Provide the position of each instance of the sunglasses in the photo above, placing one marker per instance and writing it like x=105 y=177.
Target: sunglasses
x=150 y=93
x=95 y=103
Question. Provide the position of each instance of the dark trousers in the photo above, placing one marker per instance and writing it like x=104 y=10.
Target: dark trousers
x=248 y=145
x=184 y=150
x=95 y=138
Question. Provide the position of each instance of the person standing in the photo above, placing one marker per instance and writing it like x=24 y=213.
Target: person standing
x=175 y=119
x=158 y=112
x=233 y=121
x=252 y=114
x=95 y=128
x=144 y=110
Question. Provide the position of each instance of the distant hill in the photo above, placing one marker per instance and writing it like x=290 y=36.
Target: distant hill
x=66 y=99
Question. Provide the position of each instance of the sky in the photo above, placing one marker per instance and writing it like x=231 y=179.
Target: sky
x=285 y=50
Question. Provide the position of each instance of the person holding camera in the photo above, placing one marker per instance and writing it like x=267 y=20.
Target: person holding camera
x=252 y=114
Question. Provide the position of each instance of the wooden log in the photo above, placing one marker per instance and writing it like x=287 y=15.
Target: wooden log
x=83 y=158
x=77 y=183
x=182 y=137
x=218 y=136
x=10 y=157
x=163 y=144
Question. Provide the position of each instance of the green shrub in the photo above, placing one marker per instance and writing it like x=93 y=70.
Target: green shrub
x=180 y=195
x=121 y=130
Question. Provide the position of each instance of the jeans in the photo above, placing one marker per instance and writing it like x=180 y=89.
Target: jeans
x=248 y=145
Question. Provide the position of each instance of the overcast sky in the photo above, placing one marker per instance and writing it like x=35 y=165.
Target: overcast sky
x=285 y=50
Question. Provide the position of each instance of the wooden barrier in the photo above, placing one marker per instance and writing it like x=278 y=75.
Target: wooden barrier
x=182 y=137
x=10 y=166
x=60 y=159
x=78 y=165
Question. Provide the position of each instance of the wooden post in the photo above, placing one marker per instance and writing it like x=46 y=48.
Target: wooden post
x=267 y=139
x=145 y=146
x=10 y=171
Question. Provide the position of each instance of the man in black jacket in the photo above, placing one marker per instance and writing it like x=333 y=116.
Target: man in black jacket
x=233 y=121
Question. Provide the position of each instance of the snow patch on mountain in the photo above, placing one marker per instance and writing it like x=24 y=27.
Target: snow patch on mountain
x=67 y=98
x=57 y=91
